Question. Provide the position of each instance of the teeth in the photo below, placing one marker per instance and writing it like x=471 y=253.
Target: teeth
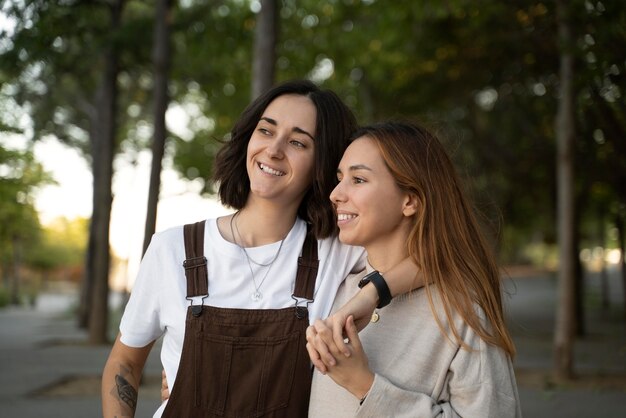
x=271 y=171
x=345 y=216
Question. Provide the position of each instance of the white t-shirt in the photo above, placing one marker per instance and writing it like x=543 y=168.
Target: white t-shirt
x=158 y=306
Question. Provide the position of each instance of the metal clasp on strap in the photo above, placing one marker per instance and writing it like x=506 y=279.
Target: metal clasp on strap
x=193 y=263
x=196 y=310
x=302 y=312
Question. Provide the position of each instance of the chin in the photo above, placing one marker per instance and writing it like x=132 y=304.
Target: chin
x=348 y=240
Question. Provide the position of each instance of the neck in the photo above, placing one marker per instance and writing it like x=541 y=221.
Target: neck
x=388 y=251
x=261 y=223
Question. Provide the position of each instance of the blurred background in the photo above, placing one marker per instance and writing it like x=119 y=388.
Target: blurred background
x=111 y=112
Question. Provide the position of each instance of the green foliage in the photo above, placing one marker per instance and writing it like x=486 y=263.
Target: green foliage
x=62 y=245
x=4 y=297
x=20 y=174
x=486 y=70
x=210 y=77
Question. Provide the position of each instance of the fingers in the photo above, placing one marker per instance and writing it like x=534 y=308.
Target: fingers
x=165 y=391
x=353 y=333
x=319 y=335
x=324 y=343
x=338 y=323
x=314 y=355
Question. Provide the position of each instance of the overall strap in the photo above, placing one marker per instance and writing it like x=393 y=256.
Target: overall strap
x=195 y=263
x=307 y=267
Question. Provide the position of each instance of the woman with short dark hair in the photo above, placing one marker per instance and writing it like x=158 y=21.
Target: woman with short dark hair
x=233 y=296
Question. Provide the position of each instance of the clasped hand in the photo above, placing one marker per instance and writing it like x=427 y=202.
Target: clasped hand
x=342 y=359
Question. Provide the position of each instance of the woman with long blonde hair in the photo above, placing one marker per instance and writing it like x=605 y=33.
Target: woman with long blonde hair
x=439 y=351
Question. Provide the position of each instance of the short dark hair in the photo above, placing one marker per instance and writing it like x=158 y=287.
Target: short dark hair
x=334 y=125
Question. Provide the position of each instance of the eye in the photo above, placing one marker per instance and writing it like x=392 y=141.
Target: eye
x=358 y=180
x=264 y=131
x=297 y=143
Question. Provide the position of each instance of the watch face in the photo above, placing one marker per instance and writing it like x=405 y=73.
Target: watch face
x=366 y=279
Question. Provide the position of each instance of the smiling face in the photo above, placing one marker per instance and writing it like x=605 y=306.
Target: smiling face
x=280 y=156
x=372 y=210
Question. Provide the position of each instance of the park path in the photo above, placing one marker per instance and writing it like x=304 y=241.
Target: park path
x=42 y=354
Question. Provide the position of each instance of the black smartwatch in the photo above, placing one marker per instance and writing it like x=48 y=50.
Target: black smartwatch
x=377 y=279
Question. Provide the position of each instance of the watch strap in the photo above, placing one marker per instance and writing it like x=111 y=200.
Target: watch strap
x=377 y=279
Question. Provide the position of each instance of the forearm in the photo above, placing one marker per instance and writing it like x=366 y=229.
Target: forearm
x=120 y=380
x=401 y=279
x=358 y=383
x=120 y=385
x=387 y=399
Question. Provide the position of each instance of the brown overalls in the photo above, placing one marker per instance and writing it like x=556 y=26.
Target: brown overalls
x=243 y=362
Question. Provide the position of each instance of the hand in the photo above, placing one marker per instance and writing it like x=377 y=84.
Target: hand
x=360 y=307
x=165 y=390
x=351 y=372
x=319 y=336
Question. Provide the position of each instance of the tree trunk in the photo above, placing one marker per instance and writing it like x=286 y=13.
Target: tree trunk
x=563 y=333
x=161 y=58
x=265 y=35
x=621 y=238
x=86 y=291
x=579 y=273
x=15 y=270
x=89 y=274
x=604 y=279
x=103 y=174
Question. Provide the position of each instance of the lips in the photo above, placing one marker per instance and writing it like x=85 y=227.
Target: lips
x=269 y=170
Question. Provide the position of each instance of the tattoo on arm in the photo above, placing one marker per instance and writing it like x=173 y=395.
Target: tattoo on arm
x=126 y=391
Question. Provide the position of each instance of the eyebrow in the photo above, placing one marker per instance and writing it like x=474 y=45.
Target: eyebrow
x=296 y=129
x=356 y=167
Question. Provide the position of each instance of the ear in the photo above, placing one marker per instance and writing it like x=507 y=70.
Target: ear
x=410 y=204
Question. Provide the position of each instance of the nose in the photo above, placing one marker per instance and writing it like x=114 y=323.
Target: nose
x=275 y=148
x=338 y=194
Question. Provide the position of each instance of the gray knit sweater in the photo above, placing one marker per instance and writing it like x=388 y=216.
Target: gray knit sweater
x=418 y=371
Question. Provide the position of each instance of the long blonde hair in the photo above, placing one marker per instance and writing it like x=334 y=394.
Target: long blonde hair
x=445 y=241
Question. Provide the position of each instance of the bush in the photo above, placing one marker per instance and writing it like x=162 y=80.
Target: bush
x=4 y=297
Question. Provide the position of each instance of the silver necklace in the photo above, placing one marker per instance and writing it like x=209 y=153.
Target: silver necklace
x=256 y=295
x=250 y=259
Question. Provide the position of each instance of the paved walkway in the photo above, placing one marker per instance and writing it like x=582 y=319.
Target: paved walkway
x=43 y=355
x=47 y=370
x=599 y=357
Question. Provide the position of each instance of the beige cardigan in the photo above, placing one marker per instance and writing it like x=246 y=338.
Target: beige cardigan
x=418 y=371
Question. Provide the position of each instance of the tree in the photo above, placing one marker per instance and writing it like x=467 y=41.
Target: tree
x=264 y=55
x=55 y=77
x=564 y=128
x=103 y=151
x=161 y=57
x=20 y=175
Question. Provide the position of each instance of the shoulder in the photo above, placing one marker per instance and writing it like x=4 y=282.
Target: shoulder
x=171 y=241
x=175 y=233
x=167 y=238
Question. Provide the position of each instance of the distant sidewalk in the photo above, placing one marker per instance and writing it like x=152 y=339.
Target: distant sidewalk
x=599 y=388
x=48 y=370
